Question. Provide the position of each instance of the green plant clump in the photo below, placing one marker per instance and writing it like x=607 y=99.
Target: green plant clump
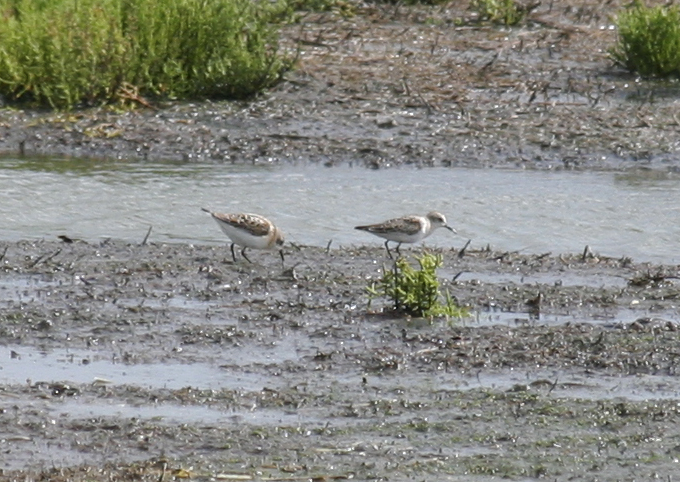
x=346 y=8
x=66 y=52
x=413 y=2
x=649 y=40
x=504 y=12
x=416 y=292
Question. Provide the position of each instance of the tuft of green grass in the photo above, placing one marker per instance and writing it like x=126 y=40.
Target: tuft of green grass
x=346 y=8
x=416 y=292
x=413 y=2
x=503 y=12
x=63 y=53
x=649 y=40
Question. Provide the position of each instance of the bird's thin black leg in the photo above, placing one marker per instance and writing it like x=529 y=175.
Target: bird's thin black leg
x=282 y=260
x=243 y=253
x=398 y=252
x=388 y=249
x=233 y=256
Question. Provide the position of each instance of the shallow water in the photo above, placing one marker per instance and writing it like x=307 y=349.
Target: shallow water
x=616 y=215
x=69 y=367
x=22 y=364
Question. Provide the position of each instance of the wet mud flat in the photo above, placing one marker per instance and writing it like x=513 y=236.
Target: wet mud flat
x=154 y=362
x=394 y=85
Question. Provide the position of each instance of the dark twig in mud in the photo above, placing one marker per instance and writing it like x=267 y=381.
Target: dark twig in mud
x=146 y=238
x=486 y=66
x=430 y=108
x=587 y=253
x=404 y=83
x=4 y=253
x=130 y=92
x=504 y=256
x=44 y=258
x=37 y=261
x=650 y=279
x=164 y=467
x=599 y=340
x=461 y=253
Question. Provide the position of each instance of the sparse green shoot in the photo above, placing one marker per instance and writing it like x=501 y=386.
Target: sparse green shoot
x=502 y=12
x=415 y=292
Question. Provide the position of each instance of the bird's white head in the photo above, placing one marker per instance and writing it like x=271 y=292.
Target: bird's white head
x=438 y=220
x=279 y=240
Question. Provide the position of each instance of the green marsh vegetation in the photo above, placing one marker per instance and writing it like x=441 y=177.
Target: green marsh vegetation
x=65 y=53
x=345 y=8
x=501 y=12
x=415 y=292
x=649 y=40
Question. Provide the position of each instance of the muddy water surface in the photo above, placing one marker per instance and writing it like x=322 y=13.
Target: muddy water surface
x=615 y=214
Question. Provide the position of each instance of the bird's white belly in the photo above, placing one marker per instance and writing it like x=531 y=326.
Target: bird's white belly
x=245 y=239
x=403 y=237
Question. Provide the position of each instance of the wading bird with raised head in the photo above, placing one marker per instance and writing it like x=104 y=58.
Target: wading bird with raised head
x=407 y=229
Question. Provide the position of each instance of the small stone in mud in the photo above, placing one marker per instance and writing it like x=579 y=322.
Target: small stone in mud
x=44 y=325
x=385 y=122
